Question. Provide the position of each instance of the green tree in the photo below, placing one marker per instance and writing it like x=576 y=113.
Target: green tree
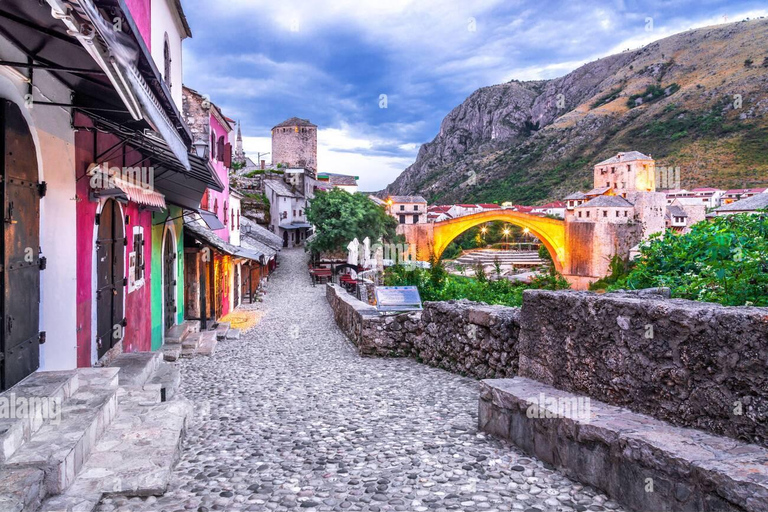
x=339 y=217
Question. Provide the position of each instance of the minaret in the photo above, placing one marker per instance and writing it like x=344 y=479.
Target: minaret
x=239 y=153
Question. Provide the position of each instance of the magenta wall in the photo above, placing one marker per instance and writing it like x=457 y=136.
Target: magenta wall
x=138 y=307
x=222 y=173
x=141 y=11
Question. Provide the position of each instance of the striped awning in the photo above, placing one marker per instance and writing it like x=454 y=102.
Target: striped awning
x=140 y=194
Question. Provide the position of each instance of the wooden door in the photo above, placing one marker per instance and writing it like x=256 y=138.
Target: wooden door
x=169 y=281
x=20 y=335
x=110 y=277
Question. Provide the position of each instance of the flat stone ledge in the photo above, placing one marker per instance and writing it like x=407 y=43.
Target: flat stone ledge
x=643 y=463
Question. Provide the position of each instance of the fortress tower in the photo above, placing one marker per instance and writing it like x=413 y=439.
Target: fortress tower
x=294 y=144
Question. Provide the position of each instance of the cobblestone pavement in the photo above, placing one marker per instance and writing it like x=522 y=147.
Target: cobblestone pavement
x=289 y=417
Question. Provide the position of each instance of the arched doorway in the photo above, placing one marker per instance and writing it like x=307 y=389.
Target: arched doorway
x=169 y=281
x=20 y=335
x=110 y=277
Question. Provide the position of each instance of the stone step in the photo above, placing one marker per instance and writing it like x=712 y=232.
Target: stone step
x=135 y=457
x=622 y=452
x=233 y=334
x=21 y=489
x=48 y=386
x=137 y=367
x=205 y=347
x=171 y=352
x=177 y=333
x=192 y=341
x=165 y=382
x=62 y=445
x=222 y=329
x=208 y=343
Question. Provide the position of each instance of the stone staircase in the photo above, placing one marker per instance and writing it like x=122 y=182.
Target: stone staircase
x=187 y=340
x=488 y=257
x=98 y=431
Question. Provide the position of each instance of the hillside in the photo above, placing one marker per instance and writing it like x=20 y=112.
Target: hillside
x=529 y=142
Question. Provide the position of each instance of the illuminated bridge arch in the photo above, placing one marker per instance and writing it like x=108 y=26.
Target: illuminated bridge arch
x=551 y=232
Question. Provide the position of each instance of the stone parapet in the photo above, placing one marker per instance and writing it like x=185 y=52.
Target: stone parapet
x=693 y=364
x=643 y=463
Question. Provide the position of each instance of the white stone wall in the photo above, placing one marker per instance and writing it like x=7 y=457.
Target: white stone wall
x=166 y=21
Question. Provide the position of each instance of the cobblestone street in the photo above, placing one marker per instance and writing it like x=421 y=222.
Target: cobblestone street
x=289 y=417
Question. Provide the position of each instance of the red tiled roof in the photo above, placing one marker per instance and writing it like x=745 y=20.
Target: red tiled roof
x=488 y=205
x=467 y=205
x=554 y=204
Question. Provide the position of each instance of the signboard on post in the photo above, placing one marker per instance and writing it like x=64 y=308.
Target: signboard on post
x=398 y=298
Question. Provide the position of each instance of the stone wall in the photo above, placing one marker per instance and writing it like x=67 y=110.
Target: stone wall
x=460 y=336
x=295 y=148
x=692 y=364
x=689 y=363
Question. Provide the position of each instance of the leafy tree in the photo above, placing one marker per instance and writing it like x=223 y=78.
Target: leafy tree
x=724 y=261
x=339 y=217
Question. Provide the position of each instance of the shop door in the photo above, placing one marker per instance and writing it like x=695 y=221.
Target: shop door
x=20 y=336
x=110 y=277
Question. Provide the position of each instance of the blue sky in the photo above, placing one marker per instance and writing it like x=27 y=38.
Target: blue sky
x=332 y=60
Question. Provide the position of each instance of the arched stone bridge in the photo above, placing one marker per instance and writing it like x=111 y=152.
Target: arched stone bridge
x=435 y=237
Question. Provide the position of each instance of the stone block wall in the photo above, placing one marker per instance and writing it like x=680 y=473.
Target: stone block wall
x=459 y=336
x=692 y=364
x=468 y=338
x=689 y=363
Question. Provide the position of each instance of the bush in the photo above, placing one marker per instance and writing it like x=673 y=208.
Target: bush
x=723 y=261
x=435 y=284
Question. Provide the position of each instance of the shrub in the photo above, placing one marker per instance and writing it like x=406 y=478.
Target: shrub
x=723 y=261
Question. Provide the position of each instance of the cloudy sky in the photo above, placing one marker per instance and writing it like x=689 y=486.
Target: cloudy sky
x=340 y=62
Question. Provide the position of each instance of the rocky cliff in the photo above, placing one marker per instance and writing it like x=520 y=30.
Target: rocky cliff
x=697 y=100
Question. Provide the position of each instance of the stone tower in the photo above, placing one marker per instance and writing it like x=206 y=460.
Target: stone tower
x=239 y=157
x=294 y=144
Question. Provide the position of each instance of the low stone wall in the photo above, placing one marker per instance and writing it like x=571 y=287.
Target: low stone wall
x=460 y=336
x=689 y=363
x=469 y=338
x=641 y=462
x=374 y=335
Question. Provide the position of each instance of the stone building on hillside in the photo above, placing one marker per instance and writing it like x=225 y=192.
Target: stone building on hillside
x=621 y=210
x=294 y=144
x=407 y=209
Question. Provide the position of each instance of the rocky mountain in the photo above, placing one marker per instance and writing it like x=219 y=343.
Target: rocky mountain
x=697 y=100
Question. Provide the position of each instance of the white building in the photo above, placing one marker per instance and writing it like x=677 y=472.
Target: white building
x=329 y=180
x=407 y=209
x=287 y=211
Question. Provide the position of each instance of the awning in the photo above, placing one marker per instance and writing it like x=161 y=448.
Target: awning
x=210 y=219
x=120 y=55
x=204 y=235
x=135 y=192
x=296 y=225
x=179 y=186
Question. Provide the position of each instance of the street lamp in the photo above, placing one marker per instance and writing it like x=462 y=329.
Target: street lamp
x=526 y=231
x=201 y=148
x=506 y=237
